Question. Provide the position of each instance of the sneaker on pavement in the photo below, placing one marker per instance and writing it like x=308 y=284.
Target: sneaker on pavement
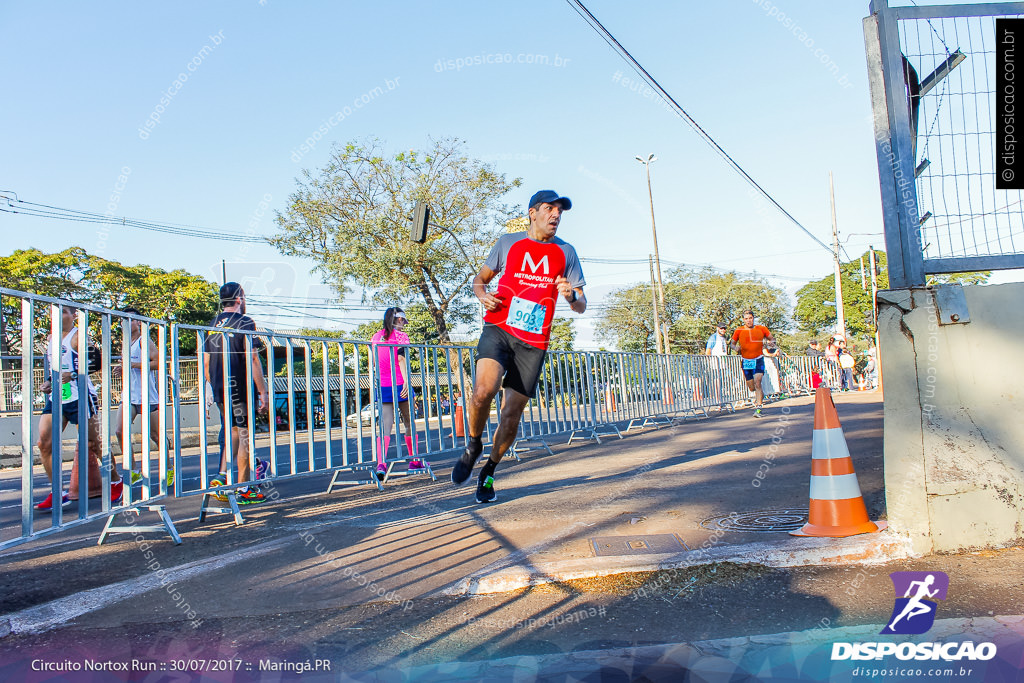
x=382 y=471
x=250 y=495
x=485 y=490
x=219 y=495
x=757 y=412
x=47 y=504
x=417 y=465
x=135 y=477
x=464 y=465
x=170 y=477
x=262 y=469
x=116 y=491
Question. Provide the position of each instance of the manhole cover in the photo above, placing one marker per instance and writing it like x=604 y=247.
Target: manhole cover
x=763 y=520
x=637 y=545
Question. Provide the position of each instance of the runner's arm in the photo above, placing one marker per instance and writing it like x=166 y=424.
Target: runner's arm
x=489 y=301
x=573 y=295
x=257 y=376
x=46 y=385
x=154 y=357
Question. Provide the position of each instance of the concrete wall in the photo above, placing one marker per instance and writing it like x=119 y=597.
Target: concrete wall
x=954 y=418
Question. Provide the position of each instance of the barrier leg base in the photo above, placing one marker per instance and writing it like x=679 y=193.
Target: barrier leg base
x=614 y=430
x=588 y=435
x=167 y=525
x=212 y=505
x=527 y=445
x=426 y=469
x=371 y=469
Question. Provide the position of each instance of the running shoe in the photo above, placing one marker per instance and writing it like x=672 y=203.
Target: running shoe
x=382 y=471
x=116 y=491
x=219 y=495
x=170 y=477
x=262 y=469
x=485 y=490
x=47 y=504
x=417 y=465
x=757 y=412
x=464 y=465
x=135 y=478
x=250 y=495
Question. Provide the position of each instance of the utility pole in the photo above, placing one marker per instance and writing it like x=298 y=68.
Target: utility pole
x=654 y=231
x=840 y=315
x=874 y=291
x=874 y=313
x=654 y=303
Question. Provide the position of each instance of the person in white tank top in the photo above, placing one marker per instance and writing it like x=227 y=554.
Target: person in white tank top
x=135 y=364
x=69 y=395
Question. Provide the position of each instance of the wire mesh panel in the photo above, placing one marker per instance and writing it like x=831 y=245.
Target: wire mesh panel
x=934 y=81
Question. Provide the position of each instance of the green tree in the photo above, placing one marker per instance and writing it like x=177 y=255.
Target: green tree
x=78 y=276
x=816 y=319
x=627 y=319
x=977 y=277
x=563 y=334
x=351 y=218
x=695 y=301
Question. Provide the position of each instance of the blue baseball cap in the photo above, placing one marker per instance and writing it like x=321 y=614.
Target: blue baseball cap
x=550 y=197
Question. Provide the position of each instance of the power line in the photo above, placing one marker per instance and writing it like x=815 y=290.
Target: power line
x=24 y=208
x=642 y=72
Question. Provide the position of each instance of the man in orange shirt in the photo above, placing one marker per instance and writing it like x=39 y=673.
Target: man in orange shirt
x=748 y=341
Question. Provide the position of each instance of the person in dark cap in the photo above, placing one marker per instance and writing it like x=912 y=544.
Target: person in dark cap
x=537 y=269
x=232 y=346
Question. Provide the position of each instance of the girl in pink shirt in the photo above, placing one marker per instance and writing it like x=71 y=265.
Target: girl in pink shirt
x=394 y=387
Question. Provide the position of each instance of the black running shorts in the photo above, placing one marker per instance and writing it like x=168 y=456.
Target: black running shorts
x=523 y=363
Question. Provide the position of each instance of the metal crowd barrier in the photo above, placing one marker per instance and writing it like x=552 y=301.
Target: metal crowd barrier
x=323 y=409
x=37 y=315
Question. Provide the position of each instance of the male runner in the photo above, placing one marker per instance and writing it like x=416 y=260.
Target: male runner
x=135 y=363
x=536 y=268
x=748 y=341
x=68 y=412
x=232 y=301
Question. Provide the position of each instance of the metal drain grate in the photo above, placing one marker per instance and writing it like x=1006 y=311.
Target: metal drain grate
x=787 y=519
x=637 y=545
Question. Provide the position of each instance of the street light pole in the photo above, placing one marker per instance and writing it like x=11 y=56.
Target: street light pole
x=837 y=274
x=654 y=305
x=654 y=231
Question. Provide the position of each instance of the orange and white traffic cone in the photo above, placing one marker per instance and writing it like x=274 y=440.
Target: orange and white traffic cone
x=837 y=507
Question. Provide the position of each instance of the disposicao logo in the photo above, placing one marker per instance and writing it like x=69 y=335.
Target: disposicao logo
x=913 y=613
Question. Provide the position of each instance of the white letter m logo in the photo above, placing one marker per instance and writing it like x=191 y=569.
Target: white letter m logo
x=527 y=259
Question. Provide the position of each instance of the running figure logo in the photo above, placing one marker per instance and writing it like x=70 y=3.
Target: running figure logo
x=914 y=612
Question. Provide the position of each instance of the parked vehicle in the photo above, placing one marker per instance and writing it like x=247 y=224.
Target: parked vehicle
x=364 y=415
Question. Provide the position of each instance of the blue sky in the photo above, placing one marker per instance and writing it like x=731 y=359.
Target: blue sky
x=83 y=78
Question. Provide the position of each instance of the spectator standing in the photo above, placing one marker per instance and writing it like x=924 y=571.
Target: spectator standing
x=394 y=387
x=718 y=343
x=846 y=363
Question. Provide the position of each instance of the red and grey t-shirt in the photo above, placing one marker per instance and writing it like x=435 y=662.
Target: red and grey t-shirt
x=527 y=287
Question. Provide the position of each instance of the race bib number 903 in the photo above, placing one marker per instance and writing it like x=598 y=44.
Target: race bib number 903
x=527 y=316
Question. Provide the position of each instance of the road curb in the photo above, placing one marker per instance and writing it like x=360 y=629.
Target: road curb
x=864 y=549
